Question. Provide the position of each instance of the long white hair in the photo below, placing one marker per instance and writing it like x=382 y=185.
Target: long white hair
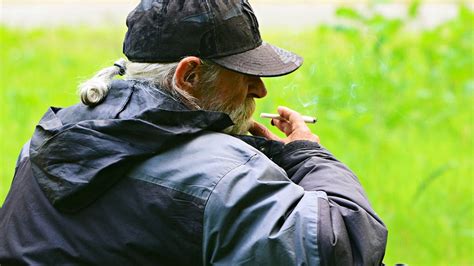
x=94 y=90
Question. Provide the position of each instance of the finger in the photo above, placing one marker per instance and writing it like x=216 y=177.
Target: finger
x=260 y=130
x=293 y=117
x=282 y=125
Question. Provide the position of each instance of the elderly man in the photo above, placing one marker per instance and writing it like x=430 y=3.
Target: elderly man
x=156 y=168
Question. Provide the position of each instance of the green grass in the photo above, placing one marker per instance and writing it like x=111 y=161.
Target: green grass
x=395 y=104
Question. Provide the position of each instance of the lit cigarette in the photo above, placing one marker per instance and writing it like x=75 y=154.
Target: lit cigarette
x=306 y=119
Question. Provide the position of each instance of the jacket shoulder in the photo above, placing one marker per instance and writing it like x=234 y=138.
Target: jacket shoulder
x=196 y=165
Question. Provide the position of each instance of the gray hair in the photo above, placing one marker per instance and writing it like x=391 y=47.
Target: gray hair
x=94 y=90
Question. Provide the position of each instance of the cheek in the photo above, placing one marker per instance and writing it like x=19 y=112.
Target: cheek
x=235 y=93
x=239 y=97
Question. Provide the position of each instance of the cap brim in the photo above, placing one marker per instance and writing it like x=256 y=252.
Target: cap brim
x=264 y=61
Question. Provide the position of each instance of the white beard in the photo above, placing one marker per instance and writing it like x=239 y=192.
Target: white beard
x=241 y=116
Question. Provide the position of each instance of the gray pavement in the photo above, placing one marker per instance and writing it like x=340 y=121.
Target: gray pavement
x=281 y=15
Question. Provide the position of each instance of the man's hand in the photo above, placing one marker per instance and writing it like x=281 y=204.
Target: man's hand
x=291 y=124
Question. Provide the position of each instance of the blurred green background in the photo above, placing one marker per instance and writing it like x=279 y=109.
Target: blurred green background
x=394 y=103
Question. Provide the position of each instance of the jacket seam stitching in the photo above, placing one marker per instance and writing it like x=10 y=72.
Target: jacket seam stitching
x=224 y=175
x=210 y=194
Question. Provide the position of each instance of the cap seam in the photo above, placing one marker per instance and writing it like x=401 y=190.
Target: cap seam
x=234 y=52
x=212 y=20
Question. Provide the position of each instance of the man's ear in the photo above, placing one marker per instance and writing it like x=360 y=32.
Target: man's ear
x=187 y=74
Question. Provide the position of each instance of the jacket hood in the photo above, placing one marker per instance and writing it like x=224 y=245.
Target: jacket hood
x=77 y=153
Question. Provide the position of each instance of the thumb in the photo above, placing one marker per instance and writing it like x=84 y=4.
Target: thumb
x=260 y=130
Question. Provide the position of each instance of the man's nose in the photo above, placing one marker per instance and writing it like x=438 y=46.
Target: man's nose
x=256 y=87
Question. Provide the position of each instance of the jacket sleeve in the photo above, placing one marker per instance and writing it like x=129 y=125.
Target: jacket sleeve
x=349 y=230
x=256 y=215
x=24 y=153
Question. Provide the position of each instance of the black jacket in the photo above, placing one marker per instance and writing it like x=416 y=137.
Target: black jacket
x=140 y=179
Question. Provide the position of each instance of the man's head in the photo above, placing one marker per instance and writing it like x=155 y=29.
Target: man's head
x=206 y=53
x=222 y=32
